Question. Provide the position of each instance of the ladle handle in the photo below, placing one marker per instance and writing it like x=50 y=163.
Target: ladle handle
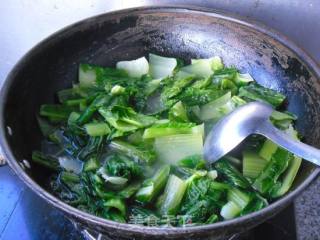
x=298 y=148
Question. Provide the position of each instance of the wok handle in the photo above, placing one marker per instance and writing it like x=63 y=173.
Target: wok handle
x=298 y=148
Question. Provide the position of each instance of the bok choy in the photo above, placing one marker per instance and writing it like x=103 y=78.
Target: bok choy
x=125 y=143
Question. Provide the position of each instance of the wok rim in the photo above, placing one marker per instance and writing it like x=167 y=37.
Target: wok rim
x=155 y=231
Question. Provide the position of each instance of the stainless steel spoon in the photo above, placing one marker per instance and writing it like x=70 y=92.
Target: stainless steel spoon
x=252 y=118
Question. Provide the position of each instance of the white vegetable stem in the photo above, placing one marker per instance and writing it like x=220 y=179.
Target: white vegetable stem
x=134 y=68
x=161 y=67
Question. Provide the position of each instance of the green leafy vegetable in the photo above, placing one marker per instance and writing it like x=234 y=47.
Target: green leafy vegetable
x=141 y=155
x=46 y=161
x=125 y=143
x=172 y=128
x=243 y=79
x=91 y=165
x=174 y=89
x=212 y=109
x=91 y=75
x=130 y=190
x=257 y=92
x=291 y=172
x=193 y=96
x=268 y=149
x=55 y=111
x=255 y=204
x=201 y=200
x=98 y=102
x=173 y=195
x=238 y=197
x=178 y=113
x=125 y=119
x=253 y=164
x=275 y=167
x=151 y=187
x=97 y=129
x=193 y=161
x=120 y=166
x=117 y=204
x=68 y=177
x=233 y=176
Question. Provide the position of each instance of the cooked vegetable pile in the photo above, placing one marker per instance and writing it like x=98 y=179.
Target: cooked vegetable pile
x=126 y=143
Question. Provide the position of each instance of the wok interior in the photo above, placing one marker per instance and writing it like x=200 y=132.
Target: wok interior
x=53 y=66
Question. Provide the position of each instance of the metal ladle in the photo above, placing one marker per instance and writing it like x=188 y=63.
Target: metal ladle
x=252 y=118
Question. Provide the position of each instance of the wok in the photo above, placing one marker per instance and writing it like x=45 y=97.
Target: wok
x=186 y=33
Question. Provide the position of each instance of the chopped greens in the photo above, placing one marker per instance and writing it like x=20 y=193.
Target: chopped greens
x=126 y=143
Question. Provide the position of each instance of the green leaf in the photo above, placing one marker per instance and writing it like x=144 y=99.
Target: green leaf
x=212 y=219
x=243 y=79
x=68 y=177
x=130 y=190
x=268 y=149
x=193 y=161
x=193 y=96
x=138 y=154
x=117 y=204
x=225 y=73
x=212 y=109
x=173 y=195
x=152 y=187
x=56 y=111
x=98 y=102
x=256 y=204
x=256 y=92
x=170 y=128
x=117 y=217
x=227 y=84
x=125 y=119
x=239 y=197
x=233 y=176
x=178 y=113
x=90 y=75
x=91 y=165
x=292 y=170
x=275 y=167
x=253 y=164
x=174 y=89
x=200 y=200
x=120 y=166
x=97 y=129
x=45 y=161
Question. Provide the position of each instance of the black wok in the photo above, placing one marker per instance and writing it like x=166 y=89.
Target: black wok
x=52 y=65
